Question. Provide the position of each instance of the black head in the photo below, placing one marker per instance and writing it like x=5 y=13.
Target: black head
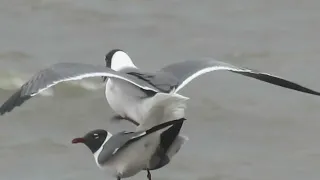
x=93 y=139
x=108 y=59
x=109 y=56
x=117 y=59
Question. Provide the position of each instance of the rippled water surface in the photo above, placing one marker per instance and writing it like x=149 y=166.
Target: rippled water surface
x=239 y=128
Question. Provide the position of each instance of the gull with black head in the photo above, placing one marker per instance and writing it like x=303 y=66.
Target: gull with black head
x=126 y=153
x=131 y=102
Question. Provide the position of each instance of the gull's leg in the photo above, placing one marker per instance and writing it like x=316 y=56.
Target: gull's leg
x=118 y=178
x=148 y=175
x=119 y=118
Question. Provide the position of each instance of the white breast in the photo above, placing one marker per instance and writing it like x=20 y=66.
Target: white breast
x=125 y=99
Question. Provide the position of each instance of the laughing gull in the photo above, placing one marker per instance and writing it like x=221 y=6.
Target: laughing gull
x=126 y=153
x=130 y=102
x=130 y=90
x=166 y=108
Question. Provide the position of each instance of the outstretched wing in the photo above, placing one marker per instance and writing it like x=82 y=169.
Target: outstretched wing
x=189 y=70
x=61 y=72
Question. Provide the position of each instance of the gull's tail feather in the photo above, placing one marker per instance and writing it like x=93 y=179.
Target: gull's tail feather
x=163 y=107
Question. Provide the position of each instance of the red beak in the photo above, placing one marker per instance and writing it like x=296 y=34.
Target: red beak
x=77 y=140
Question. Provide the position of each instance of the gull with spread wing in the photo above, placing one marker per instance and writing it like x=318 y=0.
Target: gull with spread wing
x=129 y=90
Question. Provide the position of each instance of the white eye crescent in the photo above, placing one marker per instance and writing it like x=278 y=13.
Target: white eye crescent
x=96 y=136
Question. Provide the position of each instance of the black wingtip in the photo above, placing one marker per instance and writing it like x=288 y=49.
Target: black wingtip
x=15 y=100
x=164 y=125
x=279 y=82
x=169 y=135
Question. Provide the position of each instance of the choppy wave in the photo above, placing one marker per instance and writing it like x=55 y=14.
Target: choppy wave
x=10 y=81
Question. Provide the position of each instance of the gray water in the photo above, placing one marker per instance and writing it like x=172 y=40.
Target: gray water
x=239 y=128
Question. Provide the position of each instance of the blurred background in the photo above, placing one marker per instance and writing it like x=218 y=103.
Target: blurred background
x=239 y=128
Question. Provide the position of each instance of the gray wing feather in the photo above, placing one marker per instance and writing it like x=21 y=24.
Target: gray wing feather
x=65 y=72
x=114 y=145
x=123 y=139
x=15 y=100
x=188 y=70
x=163 y=81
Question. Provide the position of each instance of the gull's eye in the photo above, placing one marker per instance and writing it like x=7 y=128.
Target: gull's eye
x=95 y=136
